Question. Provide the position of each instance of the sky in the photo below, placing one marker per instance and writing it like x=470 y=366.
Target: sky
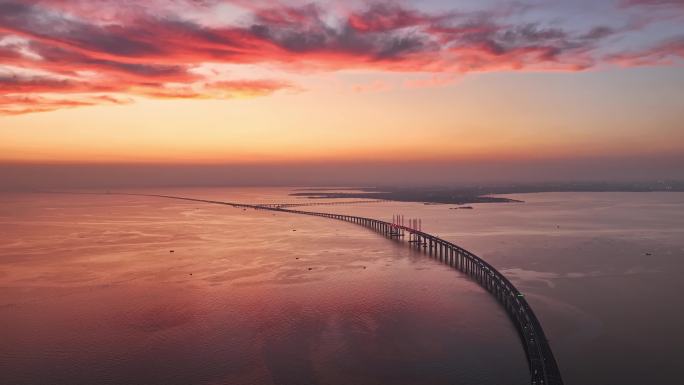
x=100 y=92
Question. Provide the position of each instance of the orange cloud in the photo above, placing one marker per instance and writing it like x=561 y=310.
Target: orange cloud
x=23 y=104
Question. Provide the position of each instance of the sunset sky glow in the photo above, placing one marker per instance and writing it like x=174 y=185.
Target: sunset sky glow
x=272 y=82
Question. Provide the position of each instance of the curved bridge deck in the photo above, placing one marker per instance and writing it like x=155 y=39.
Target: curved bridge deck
x=542 y=364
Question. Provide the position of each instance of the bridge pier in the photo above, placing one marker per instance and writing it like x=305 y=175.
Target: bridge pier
x=480 y=275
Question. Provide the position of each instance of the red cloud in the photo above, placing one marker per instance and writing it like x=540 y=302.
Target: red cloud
x=149 y=49
x=660 y=54
x=386 y=17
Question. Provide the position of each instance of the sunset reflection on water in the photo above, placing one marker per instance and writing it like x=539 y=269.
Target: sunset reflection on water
x=114 y=289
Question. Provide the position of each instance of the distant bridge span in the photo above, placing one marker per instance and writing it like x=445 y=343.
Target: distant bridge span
x=542 y=364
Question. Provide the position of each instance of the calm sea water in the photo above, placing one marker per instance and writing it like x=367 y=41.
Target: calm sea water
x=134 y=290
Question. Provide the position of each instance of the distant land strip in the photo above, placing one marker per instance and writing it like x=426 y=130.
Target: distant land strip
x=478 y=194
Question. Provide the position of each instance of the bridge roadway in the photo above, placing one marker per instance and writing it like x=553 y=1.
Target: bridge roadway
x=542 y=364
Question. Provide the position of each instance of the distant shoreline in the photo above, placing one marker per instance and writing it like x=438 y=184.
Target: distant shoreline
x=468 y=195
x=414 y=196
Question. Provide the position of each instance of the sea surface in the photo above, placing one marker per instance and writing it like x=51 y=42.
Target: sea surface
x=117 y=289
